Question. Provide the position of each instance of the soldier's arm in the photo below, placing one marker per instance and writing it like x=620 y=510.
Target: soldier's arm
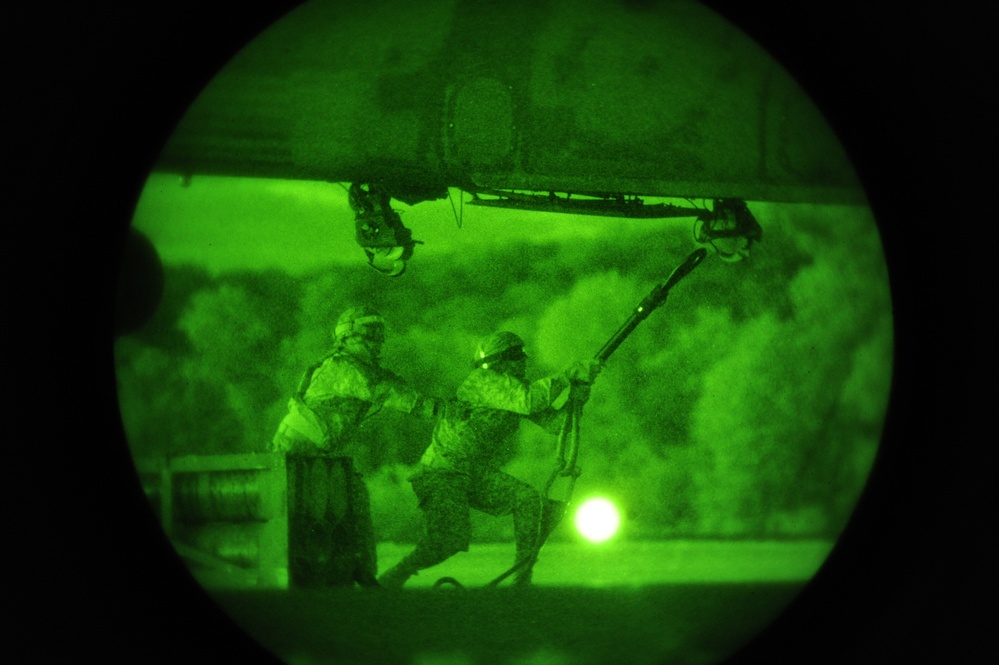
x=508 y=393
x=551 y=419
x=395 y=393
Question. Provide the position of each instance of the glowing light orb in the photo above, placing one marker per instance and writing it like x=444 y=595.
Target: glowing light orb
x=597 y=520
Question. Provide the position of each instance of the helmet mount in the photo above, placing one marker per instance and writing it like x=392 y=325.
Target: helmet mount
x=498 y=347
x=360 y=322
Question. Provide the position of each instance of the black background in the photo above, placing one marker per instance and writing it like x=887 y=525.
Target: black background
x=103 y=86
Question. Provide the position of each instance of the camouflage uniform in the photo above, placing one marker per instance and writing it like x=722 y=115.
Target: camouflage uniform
x=334 y=397
x=460 y=469
x=337 y=395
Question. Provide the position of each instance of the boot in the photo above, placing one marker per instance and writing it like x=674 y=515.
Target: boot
x=522 y=578
x=551 y=516
x=396 y=576
x=364 y=578
x=526 y=556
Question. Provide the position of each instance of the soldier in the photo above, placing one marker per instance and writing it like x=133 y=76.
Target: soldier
x=460 y=468
x=334 y=396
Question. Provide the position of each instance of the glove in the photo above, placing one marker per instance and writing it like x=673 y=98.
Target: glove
x=584 y=371
x=429 y=407
x=579 y=393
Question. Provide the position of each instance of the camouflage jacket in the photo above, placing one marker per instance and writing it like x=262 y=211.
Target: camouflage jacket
x=335 y=397
x=476 y=431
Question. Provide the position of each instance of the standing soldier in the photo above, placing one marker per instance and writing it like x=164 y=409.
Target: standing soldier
x=461 y=467
x=333 y=398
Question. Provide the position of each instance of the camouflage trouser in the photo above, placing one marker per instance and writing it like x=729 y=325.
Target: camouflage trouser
x=446 y=498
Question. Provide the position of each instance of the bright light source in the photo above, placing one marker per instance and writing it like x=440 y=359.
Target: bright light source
x=597 y=520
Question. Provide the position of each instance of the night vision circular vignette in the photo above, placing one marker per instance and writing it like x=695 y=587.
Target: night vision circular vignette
x=699 y=331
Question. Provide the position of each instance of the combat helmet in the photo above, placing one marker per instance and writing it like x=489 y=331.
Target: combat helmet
x=498 y=346
x=359 y=321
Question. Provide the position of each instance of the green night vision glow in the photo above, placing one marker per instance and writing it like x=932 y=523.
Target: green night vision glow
x=734 y=427
x=597 y=519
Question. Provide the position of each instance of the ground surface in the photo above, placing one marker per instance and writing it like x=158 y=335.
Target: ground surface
x=677 y=602
x=621 y=563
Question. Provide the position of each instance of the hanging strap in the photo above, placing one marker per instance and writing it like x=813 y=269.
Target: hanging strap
x=567 y=451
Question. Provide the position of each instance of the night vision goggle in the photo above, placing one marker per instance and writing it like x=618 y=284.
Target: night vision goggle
x=512 y=354
x=367 y=326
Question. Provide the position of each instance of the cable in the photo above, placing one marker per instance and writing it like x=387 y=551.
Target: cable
x=453 y=211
